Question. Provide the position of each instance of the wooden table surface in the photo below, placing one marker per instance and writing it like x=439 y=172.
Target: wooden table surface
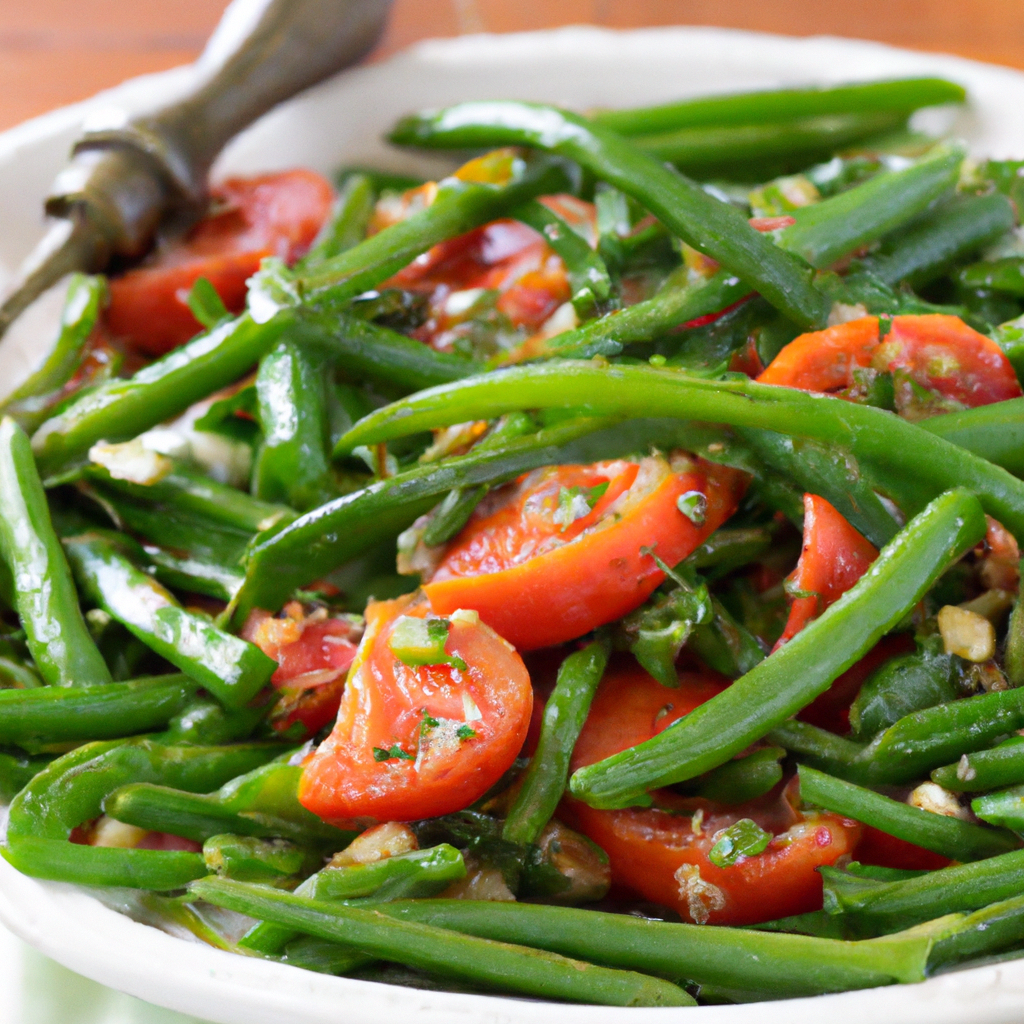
x=56 y=51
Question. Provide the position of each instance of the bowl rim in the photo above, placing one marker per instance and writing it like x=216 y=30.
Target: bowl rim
x=73 y=927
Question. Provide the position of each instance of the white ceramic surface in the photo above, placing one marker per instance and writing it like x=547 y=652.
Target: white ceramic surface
x=340 y=122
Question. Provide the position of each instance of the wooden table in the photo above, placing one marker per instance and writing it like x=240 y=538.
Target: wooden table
x=56 y=51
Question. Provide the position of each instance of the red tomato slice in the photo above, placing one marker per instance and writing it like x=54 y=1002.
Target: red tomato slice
x=313 y=656
x=664 y=856
x=936 y=352
x=540 y=580
x=876 y=847
x=270 y=215
x=387 y=707
x=834 y=556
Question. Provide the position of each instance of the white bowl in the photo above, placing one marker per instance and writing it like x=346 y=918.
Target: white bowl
x=341 y=122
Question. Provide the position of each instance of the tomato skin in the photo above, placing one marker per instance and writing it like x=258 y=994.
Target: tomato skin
x=268 y=215
x=936 y=351
x=313 y=656
x=833 y=557
x=824 y=360
x=654 y=852
x=594 y=572
x=651 y=852
x=884 y=850
x=385 y=704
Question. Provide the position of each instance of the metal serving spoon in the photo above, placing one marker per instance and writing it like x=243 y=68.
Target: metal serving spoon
x=126 y=181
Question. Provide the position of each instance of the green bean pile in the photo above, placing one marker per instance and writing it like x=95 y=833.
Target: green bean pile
x=317 y=434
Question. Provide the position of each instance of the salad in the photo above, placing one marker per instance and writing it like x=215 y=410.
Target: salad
x=591 y=576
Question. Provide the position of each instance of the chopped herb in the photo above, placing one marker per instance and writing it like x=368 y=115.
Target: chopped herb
x=693 y=505
x=428 y=723
x=576 y=502
x=466 y=732
x=744 y=839
x=396 y=752
x=416 y=641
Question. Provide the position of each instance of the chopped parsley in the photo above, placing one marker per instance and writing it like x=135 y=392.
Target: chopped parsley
x=466 y=732
x=395 y=753
x=576 y=502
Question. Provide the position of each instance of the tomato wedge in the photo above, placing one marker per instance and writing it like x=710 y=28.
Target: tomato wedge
x=664 y=855
x=418 y=741
x=833 y=557
x=954 y=365
x=313 y=654
x=567 y=551
x=269 y=215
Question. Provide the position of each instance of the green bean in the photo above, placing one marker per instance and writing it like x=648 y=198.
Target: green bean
x=190 y=491
x=1010 y=338
x=232 y=669
x=835 y=227
x=730 y=547
x=678 y=301
x=1002 y=765
x=323 y=957
x=789 y=680
x=986 y=931
x=875 y=438
x=927 y=249
x=1005 y=275
x=963 y=887
x=926 y=739
x=122 y=409
x=30 y=403
x=257 y=860
x=951 y=837
x=193 y=534
x=830 y=472
x=414 y=875
x=902 y=686
x=263 y=804
x=18 y=675
x=995 y=432
x=902 y=95
x=458 y=207
x=1013 y=653
x=564 y=714
x=17 y=770
x=772 y=964
x=495 y=964
x=819 y=747
x=750 y=150
x=208 y=723
x=363 y=349
x=292 y=464
x=589 y=280
x=741 y=779
x=45 y=597
x=193 y=574
x=348 y=222
x=1004 y=807
x=713 y=227
x=206 y=305
x=913 y=746
x=724 y=644
x=71 y=790
x=54 y=715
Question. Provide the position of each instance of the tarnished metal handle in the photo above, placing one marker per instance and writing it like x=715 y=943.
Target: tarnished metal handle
x=127 y=179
